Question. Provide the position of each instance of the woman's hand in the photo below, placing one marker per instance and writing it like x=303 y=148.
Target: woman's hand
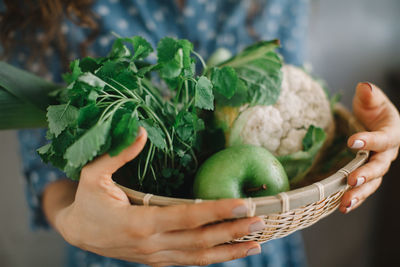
x=100 y=219
x=381 y=118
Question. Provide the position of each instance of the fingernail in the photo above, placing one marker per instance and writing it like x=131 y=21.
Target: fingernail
x=257 y=226
x=352 y=203
x=254 y=251
x=240 y=211
x=358 y=144
x=140 y=132
x=360 y=181
x=367 y=84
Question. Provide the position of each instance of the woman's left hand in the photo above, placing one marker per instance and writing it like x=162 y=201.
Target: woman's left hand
x=381 y=118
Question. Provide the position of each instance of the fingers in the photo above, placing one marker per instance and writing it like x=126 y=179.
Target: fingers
x=355 y=196
x=373 y=108
x=107 y=165
x=368 y=96
x=374 y=141
x=191 y=216
x=181 y=217
x=377 y=166
x=211 y=235
x=207 y=256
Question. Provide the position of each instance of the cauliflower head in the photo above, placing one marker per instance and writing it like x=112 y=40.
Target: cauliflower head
x=281 y=127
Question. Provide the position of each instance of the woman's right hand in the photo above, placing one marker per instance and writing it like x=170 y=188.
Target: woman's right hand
x=101 y=220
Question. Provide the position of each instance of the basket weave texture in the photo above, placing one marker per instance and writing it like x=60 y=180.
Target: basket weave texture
x=289 y=211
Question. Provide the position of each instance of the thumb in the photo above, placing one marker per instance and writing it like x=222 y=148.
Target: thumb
x=368 y=97
x=107 y=165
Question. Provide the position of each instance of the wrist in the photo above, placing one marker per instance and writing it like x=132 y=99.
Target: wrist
x=57 y=197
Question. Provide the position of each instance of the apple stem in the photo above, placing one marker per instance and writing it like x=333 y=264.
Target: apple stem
x=255 y=189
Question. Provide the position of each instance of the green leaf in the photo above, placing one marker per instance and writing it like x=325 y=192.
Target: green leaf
x=238 y=99
x=259 y=67
x=224 y=80
x=124 y=133
x=187 y=124
x=174 y=58
x=60 y=116
x=141 y=46
x=154 y=133
x=166 y=49
x=72 y=172
x=16 y=113
x=44 y=152
x=89 y=64
x=298 y=164
x=204 y=97
x=25 y=86
x=75 y=72
x=88 y=145
x=88 y=116
x=119 y=50
x=92 y=80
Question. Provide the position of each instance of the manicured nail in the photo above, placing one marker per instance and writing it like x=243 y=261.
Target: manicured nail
x=360 y=181
x=257 y=226
x=352 y=203
x=358 y=144
x=254 y=251
x=240 y=211
x=368 y=84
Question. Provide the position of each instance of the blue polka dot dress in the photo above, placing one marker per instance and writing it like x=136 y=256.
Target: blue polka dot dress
x=211 y=24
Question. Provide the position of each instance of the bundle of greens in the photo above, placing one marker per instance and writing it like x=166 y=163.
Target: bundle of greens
x=107 y=98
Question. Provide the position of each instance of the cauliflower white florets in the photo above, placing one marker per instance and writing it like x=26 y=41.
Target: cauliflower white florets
x=280 y=128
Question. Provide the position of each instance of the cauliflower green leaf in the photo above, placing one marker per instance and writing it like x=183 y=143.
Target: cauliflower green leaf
x=298 y=164
x=259 y=67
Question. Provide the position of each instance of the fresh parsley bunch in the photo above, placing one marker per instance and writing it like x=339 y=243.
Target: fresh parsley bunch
x=108 y=98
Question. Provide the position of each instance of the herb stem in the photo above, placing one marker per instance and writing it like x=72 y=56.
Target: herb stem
x=201 y=60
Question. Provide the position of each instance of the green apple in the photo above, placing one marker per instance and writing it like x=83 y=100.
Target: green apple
x=240 y=171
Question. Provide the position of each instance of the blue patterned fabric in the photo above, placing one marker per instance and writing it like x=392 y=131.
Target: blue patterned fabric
x=209 y=25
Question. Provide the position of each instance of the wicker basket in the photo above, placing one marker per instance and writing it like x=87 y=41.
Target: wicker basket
x=289 y=211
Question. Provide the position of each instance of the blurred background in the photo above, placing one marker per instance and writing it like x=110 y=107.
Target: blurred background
x=348 y=42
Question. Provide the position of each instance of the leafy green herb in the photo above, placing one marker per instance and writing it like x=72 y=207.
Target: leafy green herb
x=108 y=98
x=60 y=116
x=204 y=97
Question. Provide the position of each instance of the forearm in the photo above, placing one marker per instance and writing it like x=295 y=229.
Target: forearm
x=56 y=197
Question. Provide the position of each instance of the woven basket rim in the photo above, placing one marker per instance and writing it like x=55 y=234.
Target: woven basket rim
x=282 y=202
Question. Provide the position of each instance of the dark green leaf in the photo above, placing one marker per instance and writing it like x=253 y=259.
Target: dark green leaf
x=88 y=145
x=141 y=46
x=60 y=116
x=119 y=50
x=204 y=97
x=124 y=133
x=154 y=133
x=75 y=72
x=224 y=81
x=174 y=57
x=166 y=49
x=89 y=64
x=44 y=152
x=238 y=99
x=88 y=116
x=298 y=164
x=187 y=124
x=259 y=67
